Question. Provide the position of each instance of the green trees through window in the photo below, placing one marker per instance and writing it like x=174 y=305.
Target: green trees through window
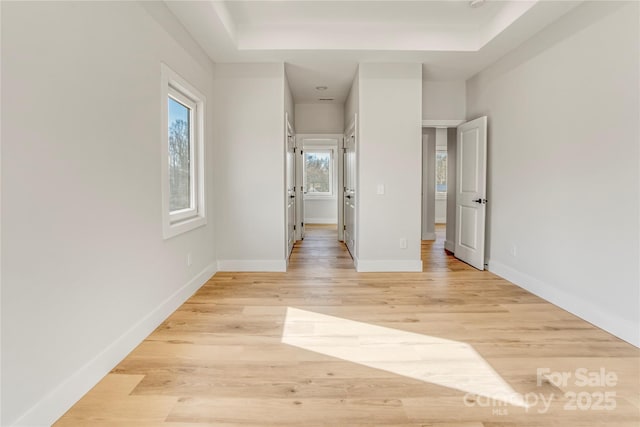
x=441 y=172
x=179 y=156
x=317 y=169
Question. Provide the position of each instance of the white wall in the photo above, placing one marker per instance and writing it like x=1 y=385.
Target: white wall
x=86 y=274
x=352 y=104
x=319 y=118
x=563 y=149
x=390 y=142
x=320 y=211
x=249 y=166
x=441 y=210
x=443 y=100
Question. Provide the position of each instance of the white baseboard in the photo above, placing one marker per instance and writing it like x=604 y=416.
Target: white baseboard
x=575 y=304
x=388 y=266
x=57 y=402
x=252 y=265
x=429 y=236
x=321 y=220
x=450 y=246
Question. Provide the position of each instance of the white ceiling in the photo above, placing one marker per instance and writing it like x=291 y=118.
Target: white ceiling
x=322 y=41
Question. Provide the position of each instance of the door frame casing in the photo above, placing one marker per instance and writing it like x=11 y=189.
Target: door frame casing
x=288 y=132
x=338 y=170
x=428 y=201
x=438 y=124
x=352 y=129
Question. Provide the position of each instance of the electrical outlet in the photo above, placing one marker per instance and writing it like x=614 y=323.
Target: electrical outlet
x=189 y=260
x=403 y=243
x=514 y=250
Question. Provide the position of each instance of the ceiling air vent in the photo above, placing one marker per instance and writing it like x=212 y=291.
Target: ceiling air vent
x=326 y=99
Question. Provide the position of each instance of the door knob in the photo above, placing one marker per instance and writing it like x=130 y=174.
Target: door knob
x=480 y=201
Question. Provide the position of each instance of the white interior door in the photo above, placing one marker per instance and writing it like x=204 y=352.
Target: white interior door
x=290 y=188
x=341 y=187
x=471 y=167
x=350 y=190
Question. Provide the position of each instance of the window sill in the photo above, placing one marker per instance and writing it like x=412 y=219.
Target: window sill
x=319 y=197
x=174 y=229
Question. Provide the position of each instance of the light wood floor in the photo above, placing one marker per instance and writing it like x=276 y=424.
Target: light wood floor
x=219 y=359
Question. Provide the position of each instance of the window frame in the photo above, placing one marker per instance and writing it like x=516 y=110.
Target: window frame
x=191 y=211
x=183 y=220
x=441 y=194
x=331 y=194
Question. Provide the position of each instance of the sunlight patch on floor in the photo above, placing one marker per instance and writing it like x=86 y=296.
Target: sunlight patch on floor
x=447 y=363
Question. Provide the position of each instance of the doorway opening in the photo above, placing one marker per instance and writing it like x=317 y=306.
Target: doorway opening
x=438 y=196
x=454 y=164
x=320 y=179
x=441 y=189
x=438 y=175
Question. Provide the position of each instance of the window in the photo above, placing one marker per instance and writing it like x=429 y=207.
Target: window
x=318 y=172
x=441 y=173
x=182 y=155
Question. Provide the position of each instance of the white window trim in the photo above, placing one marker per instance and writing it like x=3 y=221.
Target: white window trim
x=332 y=185
x=178 y=222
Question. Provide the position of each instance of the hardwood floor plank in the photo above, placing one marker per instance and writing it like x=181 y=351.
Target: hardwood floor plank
x=220 y=360
x=281 y=412
x=111 y=403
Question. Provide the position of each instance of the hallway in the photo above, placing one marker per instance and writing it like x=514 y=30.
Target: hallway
x=320 y=249
x=324 y=345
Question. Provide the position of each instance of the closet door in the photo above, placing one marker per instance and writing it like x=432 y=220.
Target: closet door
x=350 y=189
x=290 y=190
